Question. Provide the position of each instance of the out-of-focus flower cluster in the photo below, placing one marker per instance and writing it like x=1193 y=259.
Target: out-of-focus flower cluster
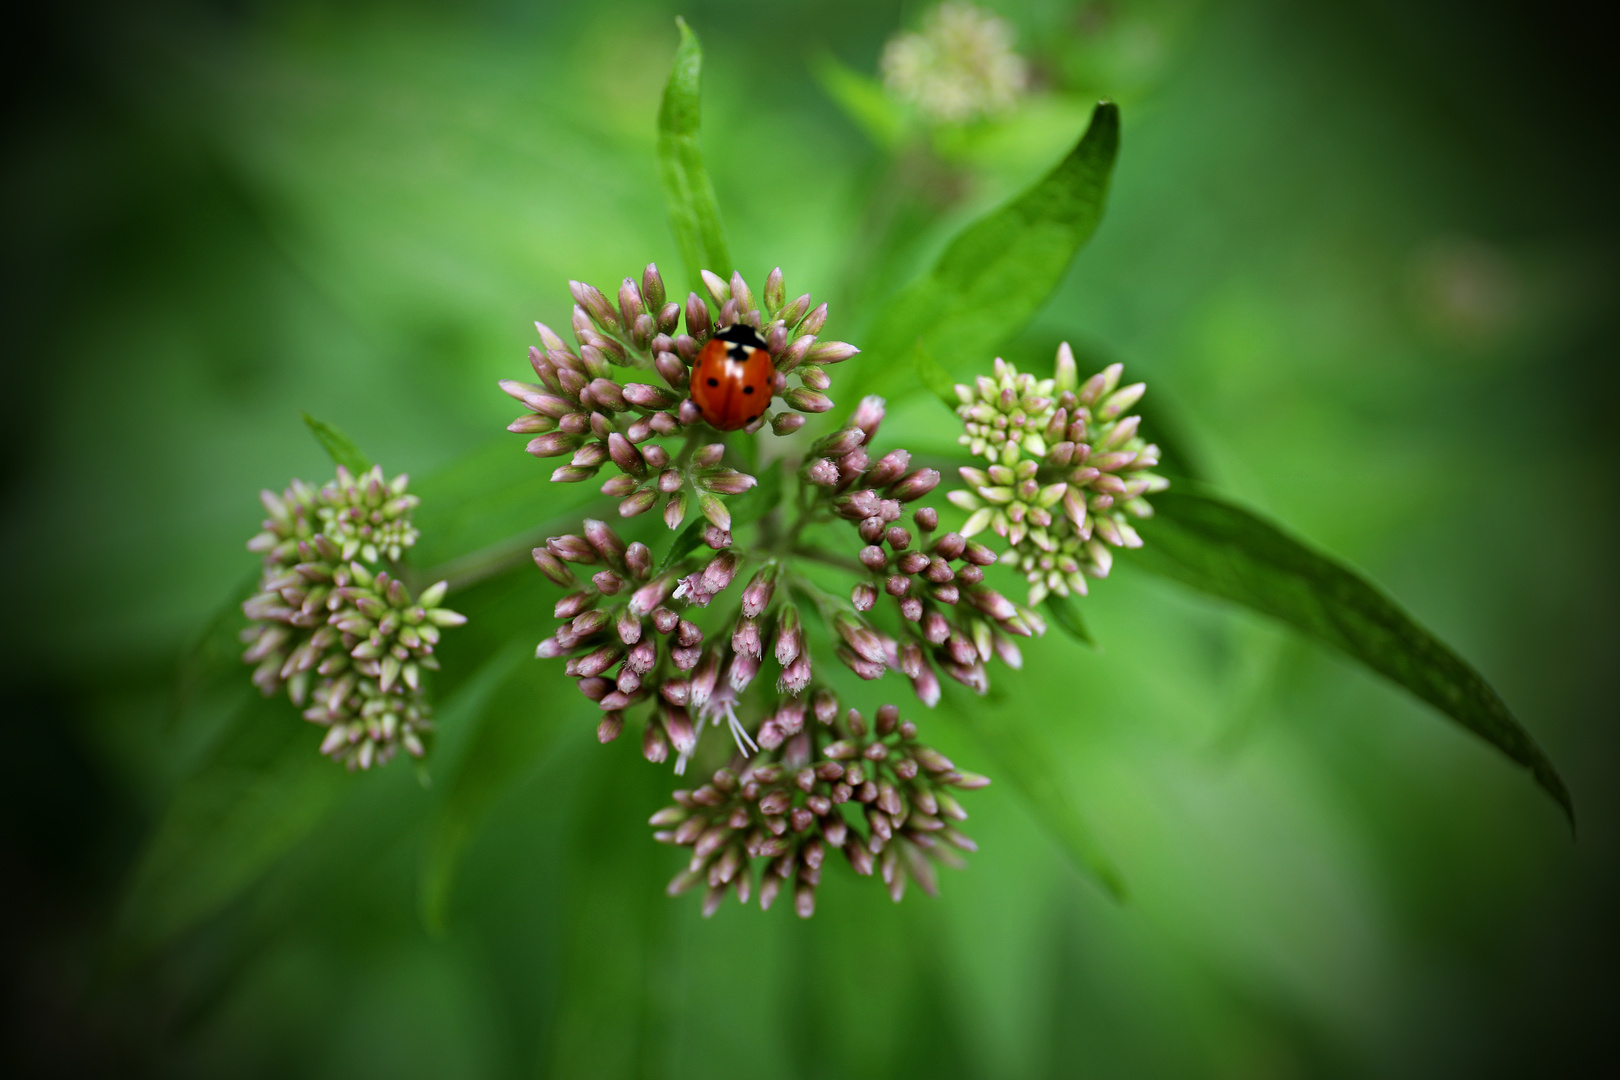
x=580 y=408
x=823 y=783
x=1067 y=469
x=333 y=627
x=958 y=67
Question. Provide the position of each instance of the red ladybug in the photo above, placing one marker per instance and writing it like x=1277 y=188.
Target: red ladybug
x=734 y=378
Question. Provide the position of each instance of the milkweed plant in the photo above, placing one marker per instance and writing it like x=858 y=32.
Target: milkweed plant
x=759 y=539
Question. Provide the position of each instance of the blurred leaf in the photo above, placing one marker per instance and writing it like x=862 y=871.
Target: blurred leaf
x=935 y=377
x=862 y=99
x=1229 y=552
x=694 y=214
x=514 y=707
x=998 y=272
x=484 y=511
x=1066 y=613
x=338 y=446
x=751 y=505
x=263 y=791
x=619 y=922
x=1023 y=757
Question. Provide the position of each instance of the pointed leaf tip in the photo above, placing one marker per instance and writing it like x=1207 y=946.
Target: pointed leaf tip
x=338 y=446
x=694 y=212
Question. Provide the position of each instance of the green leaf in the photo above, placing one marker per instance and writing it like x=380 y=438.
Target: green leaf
x=999 y=271
x=1021 y=755
x=935 y=377
x=758 y=500
x=483 y=512
x=862 y=100
x=262 y=792
x=1066 y=613
x=516 y=708
x=694 y=214
x=750 y=506
x=1229 y=552
x=338 y=446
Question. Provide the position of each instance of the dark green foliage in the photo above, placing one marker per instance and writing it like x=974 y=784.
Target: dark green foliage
x=1228 y=551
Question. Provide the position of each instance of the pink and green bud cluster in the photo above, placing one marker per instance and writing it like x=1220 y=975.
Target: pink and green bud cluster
x=623 y=386
x=826 y=784
x=950 y=621
x=732 y=632
x=335 y=629
x=1067 y=471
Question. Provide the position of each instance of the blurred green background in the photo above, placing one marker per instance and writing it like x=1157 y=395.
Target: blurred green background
x=1362 y=251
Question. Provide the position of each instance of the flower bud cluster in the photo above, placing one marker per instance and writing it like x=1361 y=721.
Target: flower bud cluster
x=951 y=621
x=630 y=634
x=823 y=783
x=622 y=641
x=959 y=66
x=1067 y=470
x=326 y=615
x=581 y=408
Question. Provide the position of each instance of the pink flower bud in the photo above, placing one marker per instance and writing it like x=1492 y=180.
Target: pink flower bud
x=793 y=355
x=552 y=443
x=822 y=473
x=605 y=541
x=651 y=594
x=796 y=675
x=830 y=352
x=678 y=725
x=757 y=596
x=808 y=401
x=553 y=567
x=787 y=422
x=916 y=485
x=655 y=745
x=639 y=503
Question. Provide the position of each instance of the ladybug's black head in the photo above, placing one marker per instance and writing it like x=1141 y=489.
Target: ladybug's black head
x=741 y=334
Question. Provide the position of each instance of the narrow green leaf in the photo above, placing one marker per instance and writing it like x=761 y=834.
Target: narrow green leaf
x=935 y=377
x=999 y=271
x=1229 y=552
x=694 y=213
x=338 y=446
x=685 y=542
x=758 y=500
x=1066 y=613
x=1022 y=756
x=516 y=708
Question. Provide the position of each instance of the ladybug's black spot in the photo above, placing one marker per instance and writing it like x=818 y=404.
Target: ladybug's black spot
x=748 y=389
x=713 y=381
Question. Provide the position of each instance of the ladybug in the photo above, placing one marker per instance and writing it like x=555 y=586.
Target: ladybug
x=734 y=378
